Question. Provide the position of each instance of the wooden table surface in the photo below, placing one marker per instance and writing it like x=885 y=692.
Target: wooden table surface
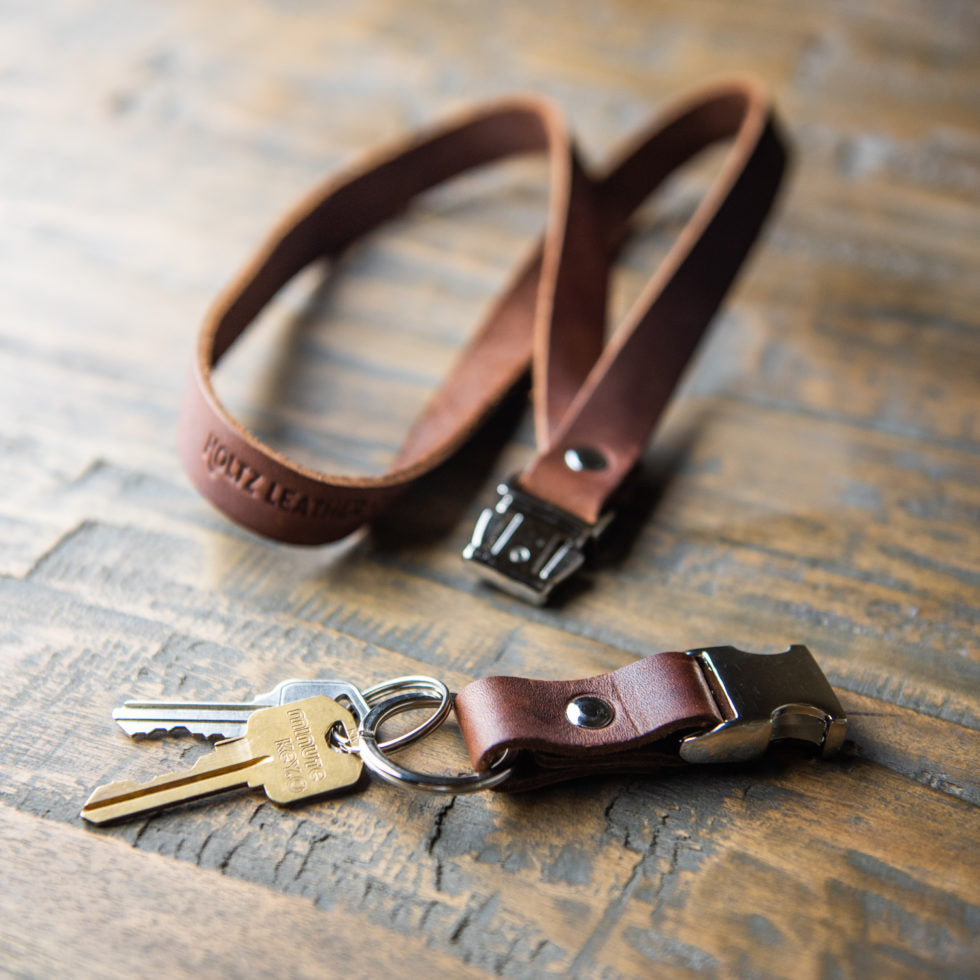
x=815 y=481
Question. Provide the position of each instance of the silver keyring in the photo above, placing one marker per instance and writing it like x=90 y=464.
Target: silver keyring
x=433 y=690
x=372 y=754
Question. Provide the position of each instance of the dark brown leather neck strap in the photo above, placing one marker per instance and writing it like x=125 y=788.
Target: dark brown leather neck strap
x=599 y=401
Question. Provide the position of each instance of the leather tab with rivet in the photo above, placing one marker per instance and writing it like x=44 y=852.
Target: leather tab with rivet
x=714 y=704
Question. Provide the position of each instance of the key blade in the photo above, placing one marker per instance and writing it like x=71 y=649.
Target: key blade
x=228 y=719
x=285 y=750
x=226 y=767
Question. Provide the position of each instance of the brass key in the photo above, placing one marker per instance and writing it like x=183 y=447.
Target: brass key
x=285 y=750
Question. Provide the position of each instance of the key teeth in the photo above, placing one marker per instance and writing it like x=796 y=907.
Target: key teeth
x=140 y=729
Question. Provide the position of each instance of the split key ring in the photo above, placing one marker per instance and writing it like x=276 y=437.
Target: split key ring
x=422 y=690
x=373 y=755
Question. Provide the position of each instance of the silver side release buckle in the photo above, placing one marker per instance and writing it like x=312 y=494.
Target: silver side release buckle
x=765 y=697
x=527 y=546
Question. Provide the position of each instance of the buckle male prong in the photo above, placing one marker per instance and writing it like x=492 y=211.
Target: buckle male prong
x=527 y=546
x=765 y=697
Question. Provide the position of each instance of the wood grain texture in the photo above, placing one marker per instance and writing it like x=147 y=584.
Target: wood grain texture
x=154 y=901
x=816 y=481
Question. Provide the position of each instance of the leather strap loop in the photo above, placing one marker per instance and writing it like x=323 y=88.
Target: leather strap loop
x=616 y=405
x=553 y=312
x=650 y=702
x=266 y=492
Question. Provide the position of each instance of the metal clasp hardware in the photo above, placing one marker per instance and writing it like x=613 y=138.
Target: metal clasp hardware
x=527 y=546
x=765 y=697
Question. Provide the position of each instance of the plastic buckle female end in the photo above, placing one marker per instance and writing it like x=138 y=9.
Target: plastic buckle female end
x=765 y=697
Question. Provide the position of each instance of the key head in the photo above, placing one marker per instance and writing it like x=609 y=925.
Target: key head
x=299 y=761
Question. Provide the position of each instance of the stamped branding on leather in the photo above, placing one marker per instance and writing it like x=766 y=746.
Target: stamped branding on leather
x=219 y=459
x=223 y=464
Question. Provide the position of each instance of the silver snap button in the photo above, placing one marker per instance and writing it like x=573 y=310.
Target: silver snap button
x=588 y=711
x=585 y=458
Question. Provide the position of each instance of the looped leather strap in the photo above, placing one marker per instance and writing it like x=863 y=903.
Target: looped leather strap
x=587 y=396
x=712 y=704
x=649 y=703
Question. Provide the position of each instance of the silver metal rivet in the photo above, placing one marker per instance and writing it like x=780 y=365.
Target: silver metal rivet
x=585 y=458
x=588 y=711
x=519 y=555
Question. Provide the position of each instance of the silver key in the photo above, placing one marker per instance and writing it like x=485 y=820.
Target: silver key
x=229 y=719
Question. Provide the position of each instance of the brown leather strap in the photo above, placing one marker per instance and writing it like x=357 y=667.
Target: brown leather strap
x=272 y=495
x=612 y=404
x=650 y=703
x=553 y=312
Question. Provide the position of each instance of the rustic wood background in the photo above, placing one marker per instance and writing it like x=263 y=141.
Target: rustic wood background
x=816 y=481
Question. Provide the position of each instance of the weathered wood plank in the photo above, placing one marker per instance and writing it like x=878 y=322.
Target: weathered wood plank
x=49 y=929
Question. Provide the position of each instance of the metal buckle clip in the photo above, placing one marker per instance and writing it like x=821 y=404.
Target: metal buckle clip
x=527 y=546
x=765 y=697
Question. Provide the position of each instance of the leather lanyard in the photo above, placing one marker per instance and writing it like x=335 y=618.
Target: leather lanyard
x=595 y=403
